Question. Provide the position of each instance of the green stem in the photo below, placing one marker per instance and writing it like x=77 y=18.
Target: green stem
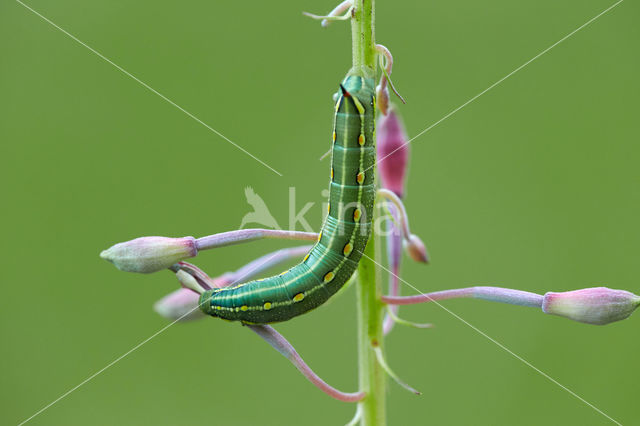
x=363 y=37
x=372 y=378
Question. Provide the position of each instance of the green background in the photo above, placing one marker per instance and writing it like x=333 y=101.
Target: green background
x=533 y=186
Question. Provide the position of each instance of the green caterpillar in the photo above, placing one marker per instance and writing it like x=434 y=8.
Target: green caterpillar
x=344 y=235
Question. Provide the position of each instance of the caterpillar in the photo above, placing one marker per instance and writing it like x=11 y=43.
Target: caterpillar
x=345 y=232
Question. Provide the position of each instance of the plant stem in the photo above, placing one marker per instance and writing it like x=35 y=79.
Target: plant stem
x=372 y=379
x=363 y=37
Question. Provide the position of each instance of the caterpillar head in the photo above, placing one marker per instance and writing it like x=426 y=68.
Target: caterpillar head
x=359 y=89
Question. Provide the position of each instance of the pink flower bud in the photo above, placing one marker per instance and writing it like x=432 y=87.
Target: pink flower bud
x=393 y=152
x=416 y=249
x=150 y=254
x=181 y=305
x=598 y=305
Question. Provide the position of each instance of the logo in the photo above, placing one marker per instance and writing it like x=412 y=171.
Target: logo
x=260 y=213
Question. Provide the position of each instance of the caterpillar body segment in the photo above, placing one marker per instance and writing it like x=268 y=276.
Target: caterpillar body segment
x=346 y=230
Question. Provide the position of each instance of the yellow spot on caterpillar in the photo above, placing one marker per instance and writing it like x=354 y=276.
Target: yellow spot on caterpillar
x=356 y=215
x=282 y=273
x=244 y=308
x=361 y=140
x=328 y=207
x=306 y=257
x=320 y=236
x=360 y=177
x=328 y=277
x=334 y=136
x=218 y=308
x=298 y=297
x=267 y=306
x=332 y=173
x=347 y=249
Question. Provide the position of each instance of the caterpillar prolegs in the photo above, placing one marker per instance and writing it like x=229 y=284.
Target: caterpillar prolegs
x=346 y=230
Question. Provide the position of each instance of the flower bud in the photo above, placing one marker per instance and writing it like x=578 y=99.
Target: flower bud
x=416 y=249
x=150 y=254
x=598 y=305
x=181 y=304
x=393 y=152
x=188 y=281
x=382 y=98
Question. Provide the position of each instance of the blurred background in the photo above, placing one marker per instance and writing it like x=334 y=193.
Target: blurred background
x=535 y=186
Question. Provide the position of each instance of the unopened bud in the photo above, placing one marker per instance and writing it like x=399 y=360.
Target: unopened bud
x=598 y=305
x=382 y=98
x=416 y=249
x=150 y=254
x=188 y=281
x=393 y=152
x=181 y=304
